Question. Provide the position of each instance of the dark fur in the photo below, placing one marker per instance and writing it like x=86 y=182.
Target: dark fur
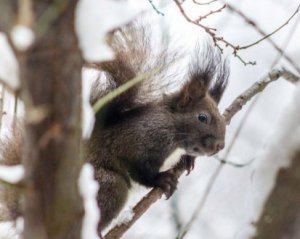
x=132 y=137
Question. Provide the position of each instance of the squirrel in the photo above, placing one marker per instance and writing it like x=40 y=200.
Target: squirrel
x=135 y=132
x=134 y=135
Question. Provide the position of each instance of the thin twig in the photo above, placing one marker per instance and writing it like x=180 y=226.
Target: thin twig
x=219 y=39
x=175 y=212
x=209 y=30
x=255 y=26
x=212 y=32
x=155 y=8
x=200 y=18
x=237 y=104
x=286 y=43
x=233 y=164
x=205 y=3
x=272 y=33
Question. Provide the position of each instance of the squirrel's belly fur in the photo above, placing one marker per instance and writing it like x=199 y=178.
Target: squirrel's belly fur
x=172 y=159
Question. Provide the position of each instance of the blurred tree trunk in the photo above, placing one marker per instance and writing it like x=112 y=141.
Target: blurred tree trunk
x=281 y=215
x=51 y=88
x=8 y=10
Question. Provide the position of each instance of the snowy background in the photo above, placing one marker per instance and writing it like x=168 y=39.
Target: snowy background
x=237 y=195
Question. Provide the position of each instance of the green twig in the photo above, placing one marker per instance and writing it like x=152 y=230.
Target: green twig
x=49 y=16
x=155 y=8
x=110 y=96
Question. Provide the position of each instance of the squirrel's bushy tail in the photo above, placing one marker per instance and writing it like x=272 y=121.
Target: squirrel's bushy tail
x=135 y=54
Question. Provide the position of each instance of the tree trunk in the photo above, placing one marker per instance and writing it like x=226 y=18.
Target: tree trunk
x=51 y=88
x=281 y=216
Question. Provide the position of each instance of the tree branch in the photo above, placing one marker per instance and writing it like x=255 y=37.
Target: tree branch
x=257 y=87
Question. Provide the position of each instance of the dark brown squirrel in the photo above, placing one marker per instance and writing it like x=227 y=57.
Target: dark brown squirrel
x=133 y=135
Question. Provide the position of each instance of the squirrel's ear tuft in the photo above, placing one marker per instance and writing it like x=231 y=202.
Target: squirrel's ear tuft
x=195 y=89
x=201 y=71
x=218 y=87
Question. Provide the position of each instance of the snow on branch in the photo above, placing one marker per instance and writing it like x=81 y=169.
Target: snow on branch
x=22 y=35
x=11 y=174
x=9 y=69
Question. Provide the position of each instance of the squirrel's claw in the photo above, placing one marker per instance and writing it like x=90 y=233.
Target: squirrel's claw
x=187 y=162
x=167 y=182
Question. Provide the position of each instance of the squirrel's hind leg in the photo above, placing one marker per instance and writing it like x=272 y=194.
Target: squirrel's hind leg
x=112 y=195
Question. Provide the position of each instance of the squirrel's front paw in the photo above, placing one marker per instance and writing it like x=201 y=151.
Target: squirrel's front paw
x=187 y=162
x=167 y=182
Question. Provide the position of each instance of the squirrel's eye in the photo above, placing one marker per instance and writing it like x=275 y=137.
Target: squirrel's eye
x=203 y=118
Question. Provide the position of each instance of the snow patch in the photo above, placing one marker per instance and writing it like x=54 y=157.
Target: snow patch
x=12 y=174
x=88 y=188
x=22 y=37
x=124 y=217
x=8 y=231
x=94 y=18
x=88 y=116
x=9 y=69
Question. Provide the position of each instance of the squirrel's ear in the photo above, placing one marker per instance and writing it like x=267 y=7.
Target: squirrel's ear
x=193 y=90
x=218 y=87
x=200 y=73
x=205 y=65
